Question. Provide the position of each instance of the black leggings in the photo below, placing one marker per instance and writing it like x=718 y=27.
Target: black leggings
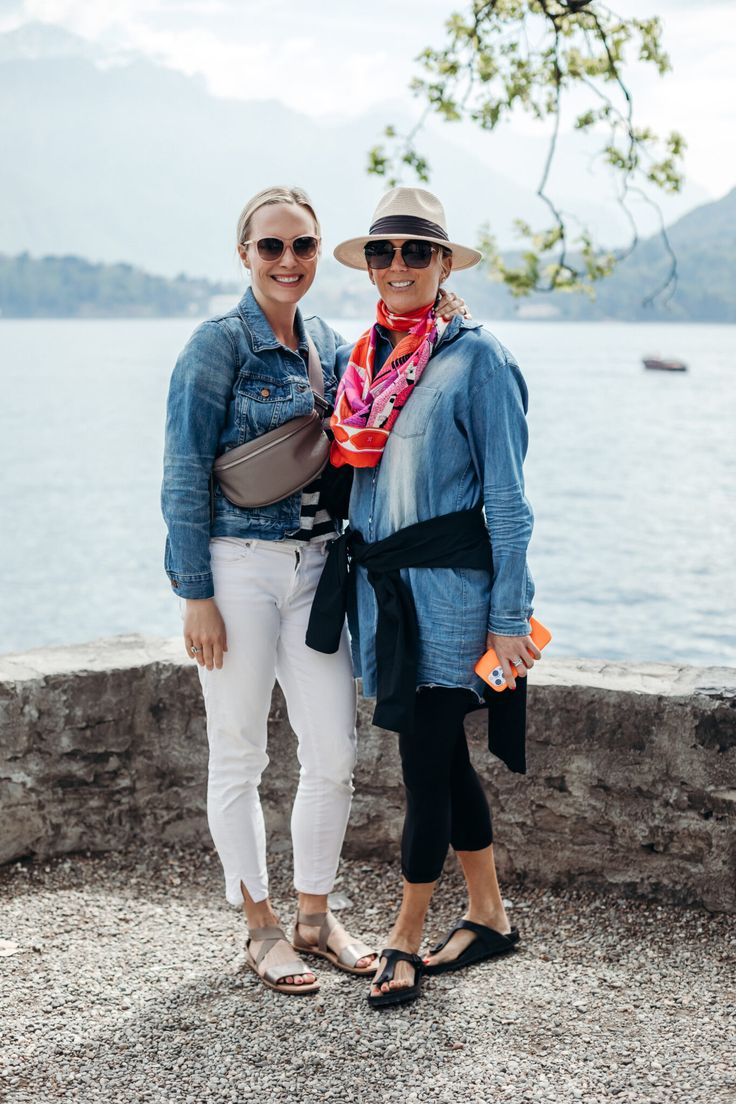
x=445 y=801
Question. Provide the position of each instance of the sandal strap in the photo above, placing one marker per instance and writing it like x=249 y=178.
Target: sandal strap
x=311 y=919
x=487 y=937
x=328 y=925
x=440 y=946
x=393 y=956
x=484 y=935
x=325 y=921
x=280 y=970
x=352 y=954
x=481 y=930
x=268 y=938
x=272 y=932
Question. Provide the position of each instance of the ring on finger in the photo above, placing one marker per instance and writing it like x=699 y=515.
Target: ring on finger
x=194 y=649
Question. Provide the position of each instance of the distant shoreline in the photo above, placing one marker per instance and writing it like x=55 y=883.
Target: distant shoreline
x=74 y=288
x=363 y=319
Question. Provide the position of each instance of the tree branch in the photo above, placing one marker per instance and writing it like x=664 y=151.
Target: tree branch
x=489 y=68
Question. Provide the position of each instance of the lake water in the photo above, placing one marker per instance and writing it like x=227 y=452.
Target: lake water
x=631 y=475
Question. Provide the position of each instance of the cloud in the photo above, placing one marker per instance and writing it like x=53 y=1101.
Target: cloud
x=335 y=63
x=241 y=49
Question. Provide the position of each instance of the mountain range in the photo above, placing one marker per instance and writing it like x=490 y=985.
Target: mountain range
x=115 y=157
x=704 y=241
x=112 y=157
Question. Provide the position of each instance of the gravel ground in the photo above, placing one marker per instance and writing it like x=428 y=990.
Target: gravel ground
x=123 y=980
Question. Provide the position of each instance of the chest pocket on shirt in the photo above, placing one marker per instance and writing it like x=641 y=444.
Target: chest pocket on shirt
x=262 y=404
x=415 y=416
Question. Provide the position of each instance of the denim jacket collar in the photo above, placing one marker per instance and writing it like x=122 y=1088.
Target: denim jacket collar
x=453 y=327
x=451 y=330
x=259 y=328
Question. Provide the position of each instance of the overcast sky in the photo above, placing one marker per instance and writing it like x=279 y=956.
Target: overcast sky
x=343 y=62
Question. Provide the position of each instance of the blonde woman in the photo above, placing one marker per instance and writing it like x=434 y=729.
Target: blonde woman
x=247 y=578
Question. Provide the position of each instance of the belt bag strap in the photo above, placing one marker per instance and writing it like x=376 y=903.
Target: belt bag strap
x=314 y=367
x=316 y=379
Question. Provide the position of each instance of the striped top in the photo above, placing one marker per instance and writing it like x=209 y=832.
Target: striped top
x=314 y=522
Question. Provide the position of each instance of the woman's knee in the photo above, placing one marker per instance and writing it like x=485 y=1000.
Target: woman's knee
x=332 y=757
x=424 y=770
x=337 y=775
x=237 y=763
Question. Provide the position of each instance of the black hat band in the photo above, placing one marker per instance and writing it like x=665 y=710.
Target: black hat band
x=398 y=225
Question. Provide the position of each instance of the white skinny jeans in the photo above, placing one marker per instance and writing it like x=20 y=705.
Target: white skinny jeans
x=264 y=591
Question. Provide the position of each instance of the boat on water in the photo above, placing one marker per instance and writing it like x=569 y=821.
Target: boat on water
x=662 y=364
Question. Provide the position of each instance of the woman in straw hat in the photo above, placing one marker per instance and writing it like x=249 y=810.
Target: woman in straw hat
x=247 y=577
x=432 y=419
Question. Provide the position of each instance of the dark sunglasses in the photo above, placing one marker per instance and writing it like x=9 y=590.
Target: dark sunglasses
x=415 y=254
x=270 y=249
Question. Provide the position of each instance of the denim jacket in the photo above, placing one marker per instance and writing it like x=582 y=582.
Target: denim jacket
x=232 y=382
x=459 y=442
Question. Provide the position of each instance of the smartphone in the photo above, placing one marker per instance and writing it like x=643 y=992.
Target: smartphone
x=491 y=671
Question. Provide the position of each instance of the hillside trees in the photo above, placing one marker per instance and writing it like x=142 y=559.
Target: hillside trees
x=69 y=287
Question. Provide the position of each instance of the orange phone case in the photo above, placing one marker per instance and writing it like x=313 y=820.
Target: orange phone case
x=490 y=669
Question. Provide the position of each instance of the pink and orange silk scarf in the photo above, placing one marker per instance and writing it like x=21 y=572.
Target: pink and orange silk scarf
x=366 y=408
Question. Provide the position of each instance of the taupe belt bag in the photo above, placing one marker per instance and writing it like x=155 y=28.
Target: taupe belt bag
x=282 y=461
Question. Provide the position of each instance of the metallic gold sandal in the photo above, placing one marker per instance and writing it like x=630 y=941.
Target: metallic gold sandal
x=271 y=975
x=346 y=958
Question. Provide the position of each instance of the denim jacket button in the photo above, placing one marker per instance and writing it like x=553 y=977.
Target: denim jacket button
x=265 y=392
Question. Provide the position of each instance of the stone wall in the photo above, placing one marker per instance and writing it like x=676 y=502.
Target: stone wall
x=631 y=783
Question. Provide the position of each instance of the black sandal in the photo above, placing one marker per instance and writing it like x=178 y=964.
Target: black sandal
x=487 y=944
x=396 y=996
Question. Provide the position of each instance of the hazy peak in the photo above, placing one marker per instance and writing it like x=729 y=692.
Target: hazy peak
x=39 y=41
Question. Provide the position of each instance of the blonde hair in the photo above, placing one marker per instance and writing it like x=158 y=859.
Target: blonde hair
x=277 y=194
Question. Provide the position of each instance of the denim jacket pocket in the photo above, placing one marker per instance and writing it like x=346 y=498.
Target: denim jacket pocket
x=414 y=417
x=262 y=404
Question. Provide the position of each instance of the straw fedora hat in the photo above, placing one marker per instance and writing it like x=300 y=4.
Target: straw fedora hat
x=407 y=213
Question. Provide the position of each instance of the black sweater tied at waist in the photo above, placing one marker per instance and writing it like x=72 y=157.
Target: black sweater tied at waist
x=452 y=540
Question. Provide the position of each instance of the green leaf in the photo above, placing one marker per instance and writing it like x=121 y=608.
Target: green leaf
x=499 y=57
